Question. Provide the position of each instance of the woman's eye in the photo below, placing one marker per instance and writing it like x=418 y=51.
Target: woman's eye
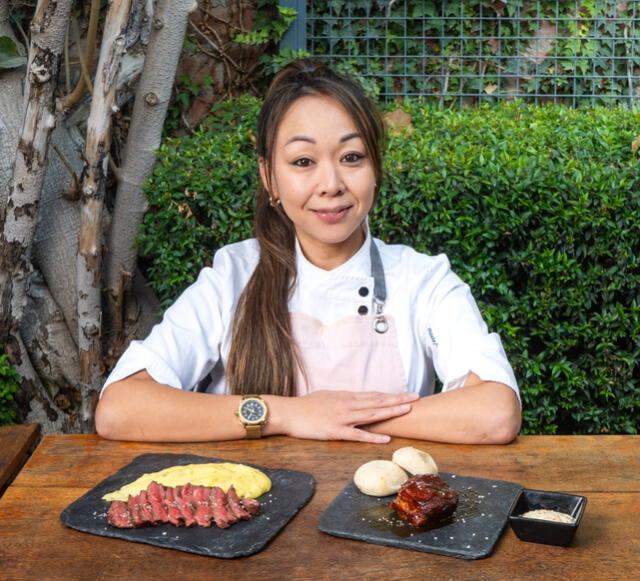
x=302 y=162
x=353 y=157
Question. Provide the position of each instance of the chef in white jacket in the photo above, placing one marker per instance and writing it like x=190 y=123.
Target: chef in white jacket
x=314 y=328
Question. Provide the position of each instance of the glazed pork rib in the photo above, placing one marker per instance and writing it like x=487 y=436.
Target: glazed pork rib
x=425 y=498
x=186 y=505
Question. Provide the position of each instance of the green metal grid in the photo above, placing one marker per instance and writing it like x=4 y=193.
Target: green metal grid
x=465 y=52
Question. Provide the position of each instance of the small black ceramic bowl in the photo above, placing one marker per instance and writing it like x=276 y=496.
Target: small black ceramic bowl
x=548 y=532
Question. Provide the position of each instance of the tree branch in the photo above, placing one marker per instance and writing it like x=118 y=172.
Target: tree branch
x=145 y=132
x=84 y=81
x=18 y=222
x=96 y=153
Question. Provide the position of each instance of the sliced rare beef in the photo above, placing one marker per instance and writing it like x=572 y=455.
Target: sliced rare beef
x=252 y=505
x=146 y=513
x=203 y=513
x=186 y=505
x=133 y=506
x=119 y=516
x=155 y=493
x=219 y=506
x=173 y=512
x=183 y=498
x=235 y=505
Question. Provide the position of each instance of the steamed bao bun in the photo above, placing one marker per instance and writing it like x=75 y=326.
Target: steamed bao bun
x=385 y=477
x=415 y=461
x=379 y=478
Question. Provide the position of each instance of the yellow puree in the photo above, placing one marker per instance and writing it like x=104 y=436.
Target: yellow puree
x=247 y=481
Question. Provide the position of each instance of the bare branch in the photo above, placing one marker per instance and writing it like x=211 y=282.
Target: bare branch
x=215 y=47
x=19 y=221
x=89 y=257
x=85 y=60
x=147 y=119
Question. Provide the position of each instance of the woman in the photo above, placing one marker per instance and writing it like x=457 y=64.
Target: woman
x=339 y=335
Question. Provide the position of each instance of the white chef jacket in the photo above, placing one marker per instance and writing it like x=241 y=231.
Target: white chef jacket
x=439 y=327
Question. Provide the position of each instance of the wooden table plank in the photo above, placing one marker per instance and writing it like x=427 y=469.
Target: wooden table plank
x=611 y=462
x=35 y=545
x=16 y=442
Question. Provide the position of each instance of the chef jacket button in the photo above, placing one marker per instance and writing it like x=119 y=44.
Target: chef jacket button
x=363 y=291
x=362 y=310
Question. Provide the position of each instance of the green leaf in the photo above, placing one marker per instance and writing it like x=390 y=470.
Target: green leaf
x=10 y=58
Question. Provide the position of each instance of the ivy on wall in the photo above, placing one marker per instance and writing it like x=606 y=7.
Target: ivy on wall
x=472 y=51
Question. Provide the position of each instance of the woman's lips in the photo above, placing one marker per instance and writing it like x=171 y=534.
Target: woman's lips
x=331 y=215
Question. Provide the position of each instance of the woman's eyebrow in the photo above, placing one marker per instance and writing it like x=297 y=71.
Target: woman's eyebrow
x=349 y=136
x=344 y=138
x=300 y=138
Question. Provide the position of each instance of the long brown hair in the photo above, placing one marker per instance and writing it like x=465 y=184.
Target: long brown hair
x=263 y=357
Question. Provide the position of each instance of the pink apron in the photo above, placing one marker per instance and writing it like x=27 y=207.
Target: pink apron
x=357 y=353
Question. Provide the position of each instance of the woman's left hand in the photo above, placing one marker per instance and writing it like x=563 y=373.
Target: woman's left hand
x=337 y=415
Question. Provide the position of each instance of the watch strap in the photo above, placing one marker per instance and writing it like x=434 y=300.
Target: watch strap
x=254 y=431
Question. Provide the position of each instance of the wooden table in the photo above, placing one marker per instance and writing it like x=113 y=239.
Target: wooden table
x=606 y=469
x=16 y=442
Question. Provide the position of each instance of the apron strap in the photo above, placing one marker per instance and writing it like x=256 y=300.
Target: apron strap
x=377 y=272
x=380 y=324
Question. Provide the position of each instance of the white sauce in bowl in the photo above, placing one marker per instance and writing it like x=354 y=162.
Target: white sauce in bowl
x=552 y=515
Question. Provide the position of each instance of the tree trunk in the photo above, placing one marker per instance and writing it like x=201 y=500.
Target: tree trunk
x=55 y=359
x=52 y=187
x=145 y=132
x=19 y=217
x=89 y=259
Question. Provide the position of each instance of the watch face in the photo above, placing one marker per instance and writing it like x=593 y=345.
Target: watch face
x=252 y=410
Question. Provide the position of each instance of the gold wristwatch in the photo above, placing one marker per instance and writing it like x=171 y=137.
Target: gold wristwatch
x=252 y=413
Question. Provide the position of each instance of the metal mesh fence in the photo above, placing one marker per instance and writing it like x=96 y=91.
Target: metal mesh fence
x=465 y=52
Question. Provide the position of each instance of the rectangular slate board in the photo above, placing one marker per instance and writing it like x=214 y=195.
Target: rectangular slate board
x=290 y=491
x=471 y=532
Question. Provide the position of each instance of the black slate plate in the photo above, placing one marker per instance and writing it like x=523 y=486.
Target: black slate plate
x=470 y=533
x=290 y=491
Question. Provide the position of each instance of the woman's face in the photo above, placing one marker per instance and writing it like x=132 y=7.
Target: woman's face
x=323 y=177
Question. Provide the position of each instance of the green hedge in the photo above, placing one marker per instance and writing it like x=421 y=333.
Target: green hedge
x=9 y=386
x=201 y=197
x=538 y=209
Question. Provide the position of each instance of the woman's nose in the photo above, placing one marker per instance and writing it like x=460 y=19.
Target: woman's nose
x=330 y=180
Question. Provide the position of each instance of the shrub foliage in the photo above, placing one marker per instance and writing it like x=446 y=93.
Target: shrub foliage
x=9 y=386
x=538 y=209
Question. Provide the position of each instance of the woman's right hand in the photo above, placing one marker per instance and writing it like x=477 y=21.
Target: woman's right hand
x=336 y=415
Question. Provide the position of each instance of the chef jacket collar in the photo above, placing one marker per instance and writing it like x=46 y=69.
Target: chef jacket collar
x=357 y=266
